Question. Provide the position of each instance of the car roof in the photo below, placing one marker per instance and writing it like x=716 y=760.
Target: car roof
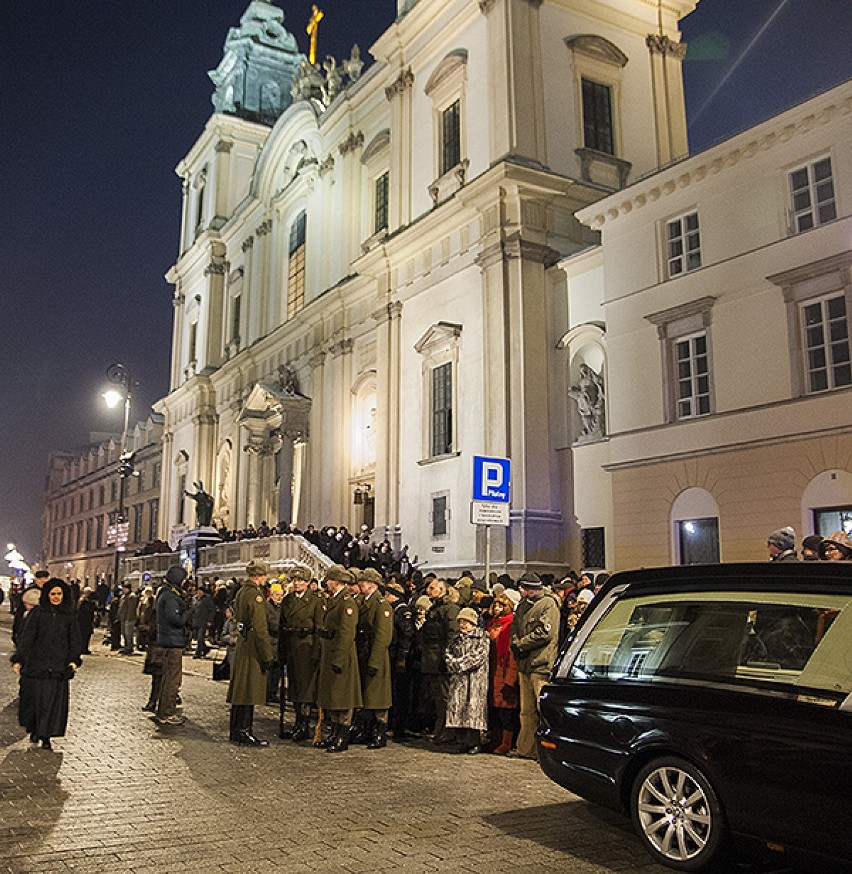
x=803 y=576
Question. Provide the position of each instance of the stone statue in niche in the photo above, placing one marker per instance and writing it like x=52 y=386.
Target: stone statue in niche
x=589 y=396
x=224 y=490
x=288 y=380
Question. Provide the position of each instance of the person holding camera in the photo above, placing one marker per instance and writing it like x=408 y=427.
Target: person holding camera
x=252 y=657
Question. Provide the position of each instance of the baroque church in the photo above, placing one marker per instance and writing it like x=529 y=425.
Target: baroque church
x=387 y=270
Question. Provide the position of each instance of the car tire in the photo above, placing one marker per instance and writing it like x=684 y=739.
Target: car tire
x=678 y=817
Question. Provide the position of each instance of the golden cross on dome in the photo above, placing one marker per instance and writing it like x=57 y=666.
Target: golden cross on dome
x=317 y=16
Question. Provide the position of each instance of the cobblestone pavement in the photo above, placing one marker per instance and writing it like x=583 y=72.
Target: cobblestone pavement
x=119 y=794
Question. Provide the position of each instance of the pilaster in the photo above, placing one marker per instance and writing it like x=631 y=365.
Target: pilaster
x=400 y=96
x=669 y=104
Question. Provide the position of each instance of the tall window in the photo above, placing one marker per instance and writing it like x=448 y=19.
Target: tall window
x=597 y=117
x=296 y=269
x=236 y=306
x=380 y=221
x=812 y=196
x=451 y=137
x=137 y=523
x=693 y=376
x=683 y=245
x=153 y=518
x=825 y=342
x=442 y=409
x=193 y=340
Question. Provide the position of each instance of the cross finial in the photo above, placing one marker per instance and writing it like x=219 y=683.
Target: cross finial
x=317 y=16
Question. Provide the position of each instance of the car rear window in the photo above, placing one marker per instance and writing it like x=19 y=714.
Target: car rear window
x=732 y=637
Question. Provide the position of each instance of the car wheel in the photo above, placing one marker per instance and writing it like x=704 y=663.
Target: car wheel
x=677 y=816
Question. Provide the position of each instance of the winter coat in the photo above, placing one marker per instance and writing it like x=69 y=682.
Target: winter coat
x=467 y=663
x=403 y=635
x=374 y=667
x=440 y=625
x=298 y=644
x=503 y=667
x=127 y=608
x=535 y=634
x=204 y=609
x=254 y=647
x=86 y=616
x=339 y=689
x=172 y=616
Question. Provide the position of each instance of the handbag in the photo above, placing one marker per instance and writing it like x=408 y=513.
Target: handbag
x=222 y=669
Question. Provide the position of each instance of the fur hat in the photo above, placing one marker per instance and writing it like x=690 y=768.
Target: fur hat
x=370 y=575
x=338 y=573
x=257 y=569
x=841 y=540
x=424 y=602
x=175 y=575
x=31 y=596
x=470 y=614
x=783 y=538
x=513 y=595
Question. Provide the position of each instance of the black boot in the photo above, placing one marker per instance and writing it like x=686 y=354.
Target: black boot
x=361 y=731
x=339 y=739
x=236 y=723
x=380 y=736
x=302 y=730
x=246 y=735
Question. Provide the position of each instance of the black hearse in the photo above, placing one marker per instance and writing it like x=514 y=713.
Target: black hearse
x=713 y=704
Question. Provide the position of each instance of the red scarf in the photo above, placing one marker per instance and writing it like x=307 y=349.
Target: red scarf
x=500 y=630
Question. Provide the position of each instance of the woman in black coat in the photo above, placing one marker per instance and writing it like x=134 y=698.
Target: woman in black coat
x=86 y=619
x=47 y=657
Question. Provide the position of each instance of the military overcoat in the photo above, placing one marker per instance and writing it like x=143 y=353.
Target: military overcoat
x=254 y=647
x=298 y=644
x=375 y=664
x=339 y=689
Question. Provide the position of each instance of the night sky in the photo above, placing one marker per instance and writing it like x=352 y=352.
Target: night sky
x=102 y=98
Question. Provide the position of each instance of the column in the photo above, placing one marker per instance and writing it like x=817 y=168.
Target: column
x=400 y=97
x=669 y=105
x=515 y=89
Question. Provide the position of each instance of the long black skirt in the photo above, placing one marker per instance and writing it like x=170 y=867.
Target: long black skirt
x=43 y=706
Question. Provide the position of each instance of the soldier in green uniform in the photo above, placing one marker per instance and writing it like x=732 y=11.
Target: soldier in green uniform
x=252 y=656
x=298 y=645
x=338 y=684
x=375 y=631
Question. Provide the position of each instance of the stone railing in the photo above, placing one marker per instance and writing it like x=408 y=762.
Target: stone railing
x=229 y=559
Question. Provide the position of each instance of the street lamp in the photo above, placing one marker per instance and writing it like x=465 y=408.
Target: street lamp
x=118 y=374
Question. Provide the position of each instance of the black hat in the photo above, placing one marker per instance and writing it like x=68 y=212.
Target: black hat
x=175 y=575
x=530 y=580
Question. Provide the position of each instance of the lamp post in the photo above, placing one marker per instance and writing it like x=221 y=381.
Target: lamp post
x=119 y=374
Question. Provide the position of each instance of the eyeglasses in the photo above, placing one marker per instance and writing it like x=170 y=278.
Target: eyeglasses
x=831 y=548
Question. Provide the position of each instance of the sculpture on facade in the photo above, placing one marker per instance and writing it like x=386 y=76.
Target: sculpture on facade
x=203 y=505
x=589 y=396
x=288 y=380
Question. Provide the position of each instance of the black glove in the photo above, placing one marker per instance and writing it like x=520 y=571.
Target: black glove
x=516 y=650
x=400 y=664
x=337 y=669
x=372 y=671
x=508 y=692
x=268 y=665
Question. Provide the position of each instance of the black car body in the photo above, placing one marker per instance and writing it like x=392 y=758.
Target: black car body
x=710 y=703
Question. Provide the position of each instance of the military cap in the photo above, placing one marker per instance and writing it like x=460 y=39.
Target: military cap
x=370 y=575
x=339 y=573
x=257 y=569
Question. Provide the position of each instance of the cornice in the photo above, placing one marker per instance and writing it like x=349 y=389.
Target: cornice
x=742 y=147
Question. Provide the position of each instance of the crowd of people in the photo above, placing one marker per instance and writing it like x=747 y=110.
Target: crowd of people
x=367 y=653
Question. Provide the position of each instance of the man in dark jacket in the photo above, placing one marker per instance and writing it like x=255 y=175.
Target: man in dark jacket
x=781 y=545
x=252 y=656
x=440 y=625
x=172 y=618
x=403 y=637
x=126 y=617
x=203 y=611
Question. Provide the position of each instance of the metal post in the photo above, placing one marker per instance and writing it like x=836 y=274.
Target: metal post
x=119 y=374
x=487 y=554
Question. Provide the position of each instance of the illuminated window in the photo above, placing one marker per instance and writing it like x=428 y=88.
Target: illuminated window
x=296 y=268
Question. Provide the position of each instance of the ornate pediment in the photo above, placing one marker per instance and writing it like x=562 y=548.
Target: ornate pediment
x=278 y=402
x=440 y=335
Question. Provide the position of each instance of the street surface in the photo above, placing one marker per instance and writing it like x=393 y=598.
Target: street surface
x=120 y=794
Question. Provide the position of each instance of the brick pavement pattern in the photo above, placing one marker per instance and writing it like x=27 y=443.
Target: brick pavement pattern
x=120 y=794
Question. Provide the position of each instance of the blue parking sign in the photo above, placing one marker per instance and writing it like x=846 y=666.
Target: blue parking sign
x=491 y=479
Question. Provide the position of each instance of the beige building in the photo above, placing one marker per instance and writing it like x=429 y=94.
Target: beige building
x=718 y=308
x=82 y=501
x=369 y=290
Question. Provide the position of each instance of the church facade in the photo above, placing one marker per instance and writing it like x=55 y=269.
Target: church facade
x=492 y=242
x=369 y=293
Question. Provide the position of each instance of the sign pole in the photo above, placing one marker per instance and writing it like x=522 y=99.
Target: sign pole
x=487 y=555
